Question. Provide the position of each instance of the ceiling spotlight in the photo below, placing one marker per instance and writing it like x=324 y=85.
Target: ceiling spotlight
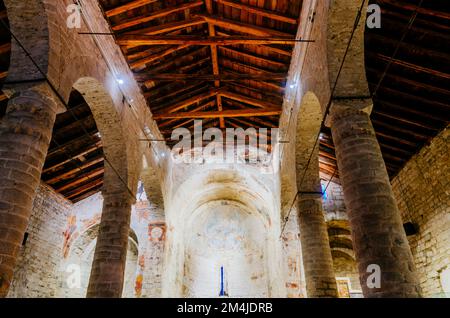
x=120 y=81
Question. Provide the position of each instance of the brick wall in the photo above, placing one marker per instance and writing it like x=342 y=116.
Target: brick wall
x=422 y=189
x=333 y=201
x=37 y=268
x=61 y=234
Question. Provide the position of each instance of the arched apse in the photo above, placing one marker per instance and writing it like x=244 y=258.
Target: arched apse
x=117 y=165
x=230 y=195
x=225 y=252
x=79 y=260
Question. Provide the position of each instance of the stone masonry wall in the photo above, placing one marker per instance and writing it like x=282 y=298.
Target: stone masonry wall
x=422 y=189
x=43 y=248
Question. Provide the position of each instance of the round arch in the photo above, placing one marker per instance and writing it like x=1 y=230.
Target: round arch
x=220 y=188
x=80 y=256
x=111 y=130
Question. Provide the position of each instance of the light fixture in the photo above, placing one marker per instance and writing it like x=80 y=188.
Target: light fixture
x=120 y=81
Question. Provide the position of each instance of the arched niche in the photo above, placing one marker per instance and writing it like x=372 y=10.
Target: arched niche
x=240 y=189
x=80 y=257
x=225 y=252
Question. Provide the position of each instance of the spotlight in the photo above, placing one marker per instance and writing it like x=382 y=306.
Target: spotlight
x=120 y=81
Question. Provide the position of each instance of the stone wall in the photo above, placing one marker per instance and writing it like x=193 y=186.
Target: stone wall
x=422 y=189
x=333 y=201
x=61 y=241
x=145 y=248
x=36 y=273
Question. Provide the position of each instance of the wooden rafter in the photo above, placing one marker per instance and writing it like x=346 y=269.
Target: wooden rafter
x=224 y=113
x=215 y=61
x=129 y=6
x=208 y=77
x=241 y=27
x=132 y=40
x=258 y=11
x=156 y=15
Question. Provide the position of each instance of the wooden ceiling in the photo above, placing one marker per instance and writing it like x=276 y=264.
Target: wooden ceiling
x=237 y=77
x=215 y=60
x=412 y=103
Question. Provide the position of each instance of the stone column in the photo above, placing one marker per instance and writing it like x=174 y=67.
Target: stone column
x=108 y=267
x=316 y=251
x=25 y=135
x=377 y=228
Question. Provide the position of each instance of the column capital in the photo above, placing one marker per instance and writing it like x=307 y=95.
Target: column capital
x=346 y=107
x=40 y=87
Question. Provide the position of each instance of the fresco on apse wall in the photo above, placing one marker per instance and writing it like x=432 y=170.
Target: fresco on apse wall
x=144 y=269
x=224 y=237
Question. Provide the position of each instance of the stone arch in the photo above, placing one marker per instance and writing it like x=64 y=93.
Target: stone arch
x=152 y=186
x=111 y=130
x=29 y=22
x=81 y=253
x=309 y=121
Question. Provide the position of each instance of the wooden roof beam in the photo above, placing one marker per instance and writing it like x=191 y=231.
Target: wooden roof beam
x=156 y=30
x=215 y=61
x=156 y=15
x=258 y=11
x=252 y=56
x=247 y=100
x=208 y=77
x=412 y=7
x=83 y=189
x=268 y=47
x=71 y=172
x=133 y=40
x=156 y=57
x=408 y=65
x=225 y=113
x=193 y=100
x=97 y=146
x=129 y=6
x=241 y=27
x=80 y=179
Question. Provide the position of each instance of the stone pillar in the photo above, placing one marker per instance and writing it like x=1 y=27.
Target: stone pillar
x=25 y=135
x=316 y=251
x=377 y=228
x=108 y=267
